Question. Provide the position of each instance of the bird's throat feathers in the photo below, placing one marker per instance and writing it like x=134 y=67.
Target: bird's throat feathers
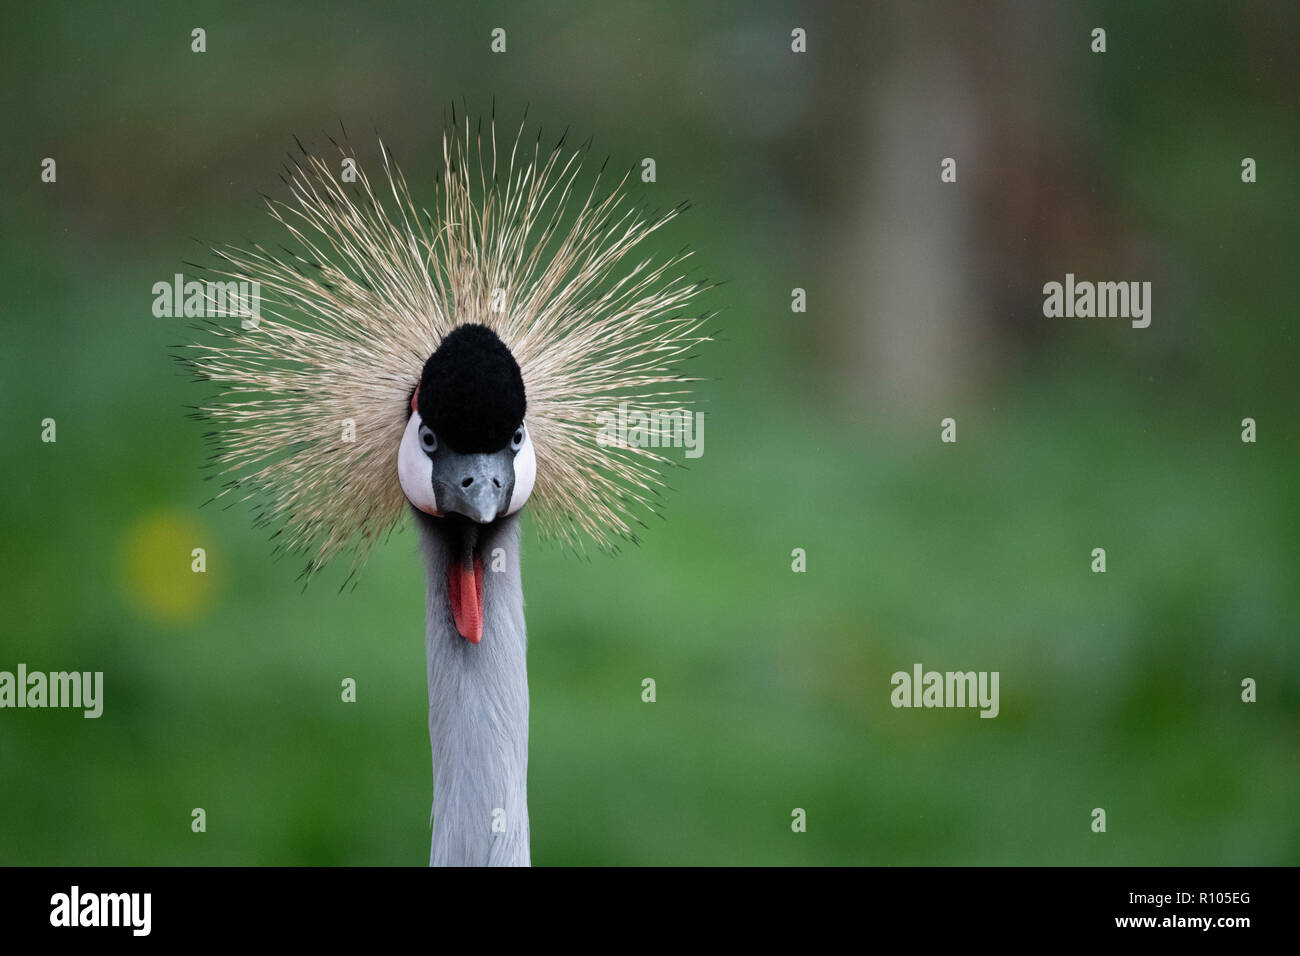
x=472 y=562
x=478 y=694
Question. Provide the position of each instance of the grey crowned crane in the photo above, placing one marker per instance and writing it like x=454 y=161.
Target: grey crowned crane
x=452 y=365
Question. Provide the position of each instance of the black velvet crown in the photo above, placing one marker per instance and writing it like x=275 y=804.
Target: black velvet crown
x=471 y=391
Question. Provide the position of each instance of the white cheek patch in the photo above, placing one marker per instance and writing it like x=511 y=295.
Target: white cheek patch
x=525 y=474
x=415 y=469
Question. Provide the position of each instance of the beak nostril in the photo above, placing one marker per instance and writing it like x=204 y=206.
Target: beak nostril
x=467 y=482
x=496 y=482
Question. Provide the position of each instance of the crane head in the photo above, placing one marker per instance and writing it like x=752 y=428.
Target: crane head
x=466 y=456
x=587 y=327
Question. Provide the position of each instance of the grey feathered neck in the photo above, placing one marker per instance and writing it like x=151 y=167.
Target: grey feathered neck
x=478 y=706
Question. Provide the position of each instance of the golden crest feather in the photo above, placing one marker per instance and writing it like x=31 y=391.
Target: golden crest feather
x=348 y=320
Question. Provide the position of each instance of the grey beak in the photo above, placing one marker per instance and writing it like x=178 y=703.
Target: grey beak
x=477 y=486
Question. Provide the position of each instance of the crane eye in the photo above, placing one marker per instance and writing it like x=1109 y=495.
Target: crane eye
x=428 y=440
x=517 y=439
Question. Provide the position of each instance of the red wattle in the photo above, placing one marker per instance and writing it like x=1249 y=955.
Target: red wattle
x=465 y=593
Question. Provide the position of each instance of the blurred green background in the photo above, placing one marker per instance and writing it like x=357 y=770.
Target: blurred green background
x=818 y=171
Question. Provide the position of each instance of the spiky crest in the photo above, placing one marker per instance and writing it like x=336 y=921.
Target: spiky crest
x=349 y=319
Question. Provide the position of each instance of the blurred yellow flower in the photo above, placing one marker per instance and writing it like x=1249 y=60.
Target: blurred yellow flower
x=164 y=565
